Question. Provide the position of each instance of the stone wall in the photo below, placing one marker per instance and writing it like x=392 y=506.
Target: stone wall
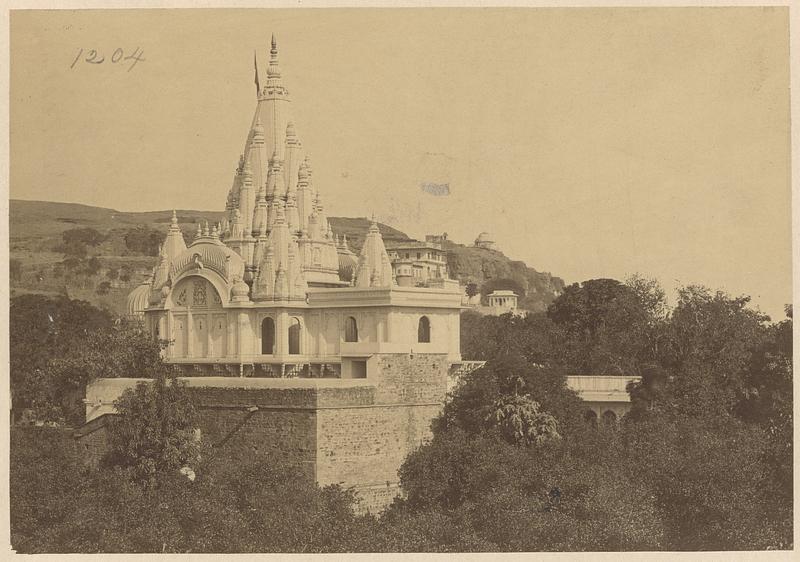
x=352 y=433
x=91 y=440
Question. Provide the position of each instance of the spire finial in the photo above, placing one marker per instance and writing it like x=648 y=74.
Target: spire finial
x=273 y=71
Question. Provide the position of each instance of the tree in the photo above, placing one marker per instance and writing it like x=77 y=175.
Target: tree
x=484 y=493
x=712 y=341
x=156 y=429
x=42 y=329
x=122 y=350
x=93 y=265
x=477 y=395
x=103 y=288
x=609 y=327
x=708 y=500
x=144 y=240
x=59 y=345
x=258 y=505
x=521 y=422
x=84 y=236
x=471 y=289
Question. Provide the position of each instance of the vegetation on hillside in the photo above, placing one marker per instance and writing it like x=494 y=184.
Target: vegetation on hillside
x=62 y=248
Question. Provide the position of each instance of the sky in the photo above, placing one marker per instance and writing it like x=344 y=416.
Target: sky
x=588 y=142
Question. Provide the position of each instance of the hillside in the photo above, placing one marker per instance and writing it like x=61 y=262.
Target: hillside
x=125 y=251
x=491 y=269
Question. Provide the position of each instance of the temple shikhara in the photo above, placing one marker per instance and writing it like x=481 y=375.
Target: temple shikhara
x=292 y=345
x=271 y=291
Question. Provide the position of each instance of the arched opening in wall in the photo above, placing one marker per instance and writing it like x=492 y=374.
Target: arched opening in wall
x=267 y=336
x=590 y=417
x=424 y=330
x=350 y=329
x=294 y=337
x=609 y=418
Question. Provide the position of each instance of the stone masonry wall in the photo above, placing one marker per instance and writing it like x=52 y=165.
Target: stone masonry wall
x=365 y=446
x=354 y=435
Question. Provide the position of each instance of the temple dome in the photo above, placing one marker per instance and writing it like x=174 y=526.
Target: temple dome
x=347 y=266
x=138 y=300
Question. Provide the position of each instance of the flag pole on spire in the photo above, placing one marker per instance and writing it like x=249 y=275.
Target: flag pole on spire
x=255 y=64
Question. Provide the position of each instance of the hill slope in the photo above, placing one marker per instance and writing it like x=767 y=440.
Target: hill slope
x=130 y=241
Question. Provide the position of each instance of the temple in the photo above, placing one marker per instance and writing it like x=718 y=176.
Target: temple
x=271 y=290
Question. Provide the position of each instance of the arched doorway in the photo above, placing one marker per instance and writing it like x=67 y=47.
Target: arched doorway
x=350 y=329
x=199 y=320
x=609 y=418
x=267 y=336
x=294 y=336
x=424 y=330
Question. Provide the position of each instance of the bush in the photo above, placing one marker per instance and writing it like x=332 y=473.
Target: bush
x=143 y=240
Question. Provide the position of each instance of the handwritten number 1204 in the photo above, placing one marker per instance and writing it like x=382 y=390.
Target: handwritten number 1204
x=93 y=57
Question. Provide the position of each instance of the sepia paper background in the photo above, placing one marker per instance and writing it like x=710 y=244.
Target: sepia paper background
x=590 y=142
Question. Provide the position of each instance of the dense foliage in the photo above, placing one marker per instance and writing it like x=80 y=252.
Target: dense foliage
x=59 y=506
x=707 y=446
x=58 y=345
x=143 y=240
x=155 y=432
x=76 y=241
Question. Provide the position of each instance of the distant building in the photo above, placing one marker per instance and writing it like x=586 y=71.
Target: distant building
x=416 y=263
x=503 y=301
x=436 y=238
x=485 y=241
x=605 y=396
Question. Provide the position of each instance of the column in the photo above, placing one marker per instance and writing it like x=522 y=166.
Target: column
x=242 y=327
x=282 y=333
x=230 y=332
x=189 y=333
x=169 y=351
x=321 y=327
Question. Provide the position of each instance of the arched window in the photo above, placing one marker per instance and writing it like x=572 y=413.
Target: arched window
x=424 y=330
x=294 y=337
x=590 y=417
x=609 y=418
x=350 y=329
x=267 y=336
